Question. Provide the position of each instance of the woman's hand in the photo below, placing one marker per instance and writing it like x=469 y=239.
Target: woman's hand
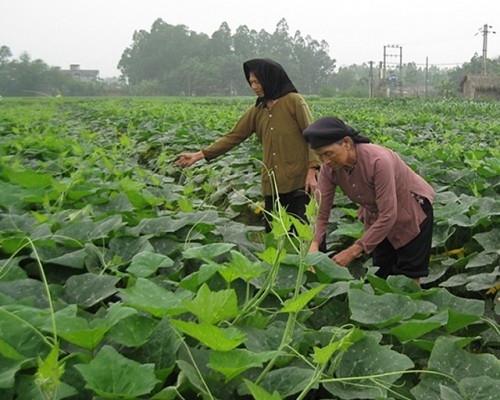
x=314 y=247
x=188 y=159
x=345 y=257
x=311 y=181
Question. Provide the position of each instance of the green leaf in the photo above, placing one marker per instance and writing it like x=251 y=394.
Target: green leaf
x=379 y=310
x=205 y=272
x=259 y=393
x=113 y=204
x=12 y=196
x=482 y=259
x=10 y=352
x=448 y=394
x=26 y=290
x=298 y=304
x=213 y=307
x=128 y=185
x=211 y=336
x=18 y=332
x=208 y=251
x=479 y=388
x=281 y=221
x=324 y=354
x=28 y=179
x=111 y=375
x=146 y=263
x=168 y=393
x=462 y=312
x=89 y=289
x=49 y=372
x=127 y=247
x=377 y=367
x=353 y=229
x=304 y=231
x=478 y=282
x=234 y=362
x=88 y=230
x=73 y=259
x=185 y=205
x=324 y=266
x=147 y=296
x=453 y=214
x=78 y=330
x=133 y=331
x=8 y=371
x=413 y=329
x=266 y=339
x=271 y=255
x=475 y=374
x=489 y=240
x=193 y=377
x=288 y=381
x=161 y=349
x=160 y=225
x=241 y=267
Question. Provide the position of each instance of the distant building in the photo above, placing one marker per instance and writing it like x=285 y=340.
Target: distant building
x=86 y=75
x=481 y=87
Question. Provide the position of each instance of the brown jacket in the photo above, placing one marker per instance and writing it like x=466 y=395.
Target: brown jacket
x=286 y=155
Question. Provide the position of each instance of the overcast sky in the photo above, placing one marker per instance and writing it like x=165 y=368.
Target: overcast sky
x=94 y=33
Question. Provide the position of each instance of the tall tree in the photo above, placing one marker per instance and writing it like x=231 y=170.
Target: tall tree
x=221 y=43
x=245 y=43
x=154 y=54
x=280 y=42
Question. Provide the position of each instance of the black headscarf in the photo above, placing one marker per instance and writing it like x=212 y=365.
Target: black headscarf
x=328 y=130
x=272 y=77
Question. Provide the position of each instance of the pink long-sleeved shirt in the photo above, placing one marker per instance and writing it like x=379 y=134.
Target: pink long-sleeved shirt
x=382 y=184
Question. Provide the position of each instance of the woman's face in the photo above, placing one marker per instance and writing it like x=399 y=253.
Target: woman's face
x=335 y=155
x=255 y=85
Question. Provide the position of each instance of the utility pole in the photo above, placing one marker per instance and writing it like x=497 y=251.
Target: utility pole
x=394 y=46
x=426 y=76
x=400 y=83
x=381 y=79
x=485 y=32
x=370 y=81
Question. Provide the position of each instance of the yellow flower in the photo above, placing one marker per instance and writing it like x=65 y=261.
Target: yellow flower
x=258 y=209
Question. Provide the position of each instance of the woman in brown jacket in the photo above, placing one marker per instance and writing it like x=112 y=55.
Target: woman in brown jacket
x=278 y=118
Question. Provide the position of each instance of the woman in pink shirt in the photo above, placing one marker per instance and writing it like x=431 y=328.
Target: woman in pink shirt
x=395 y=202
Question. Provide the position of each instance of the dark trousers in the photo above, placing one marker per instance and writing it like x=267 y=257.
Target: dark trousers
x=294 y=202
x=412 y=259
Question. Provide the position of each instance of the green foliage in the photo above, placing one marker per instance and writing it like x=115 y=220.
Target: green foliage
x=171 y=60
x=113 y=376
x=25 y=77
x=122 y=276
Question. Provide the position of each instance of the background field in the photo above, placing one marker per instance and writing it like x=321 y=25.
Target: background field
x=111 y=255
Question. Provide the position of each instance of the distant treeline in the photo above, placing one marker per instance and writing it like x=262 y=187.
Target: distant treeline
x=174 y=61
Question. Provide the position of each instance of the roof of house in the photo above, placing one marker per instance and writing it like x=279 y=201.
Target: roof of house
x=482 y=81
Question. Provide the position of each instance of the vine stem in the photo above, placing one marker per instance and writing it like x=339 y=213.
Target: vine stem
x=264 y=290
x=385 y=374
x=195 y=366
x=290 y=323
x=46 y=284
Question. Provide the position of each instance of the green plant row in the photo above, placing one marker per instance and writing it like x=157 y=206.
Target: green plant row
x=122 y=276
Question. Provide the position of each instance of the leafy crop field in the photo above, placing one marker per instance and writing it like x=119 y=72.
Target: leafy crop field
x=124 y=277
